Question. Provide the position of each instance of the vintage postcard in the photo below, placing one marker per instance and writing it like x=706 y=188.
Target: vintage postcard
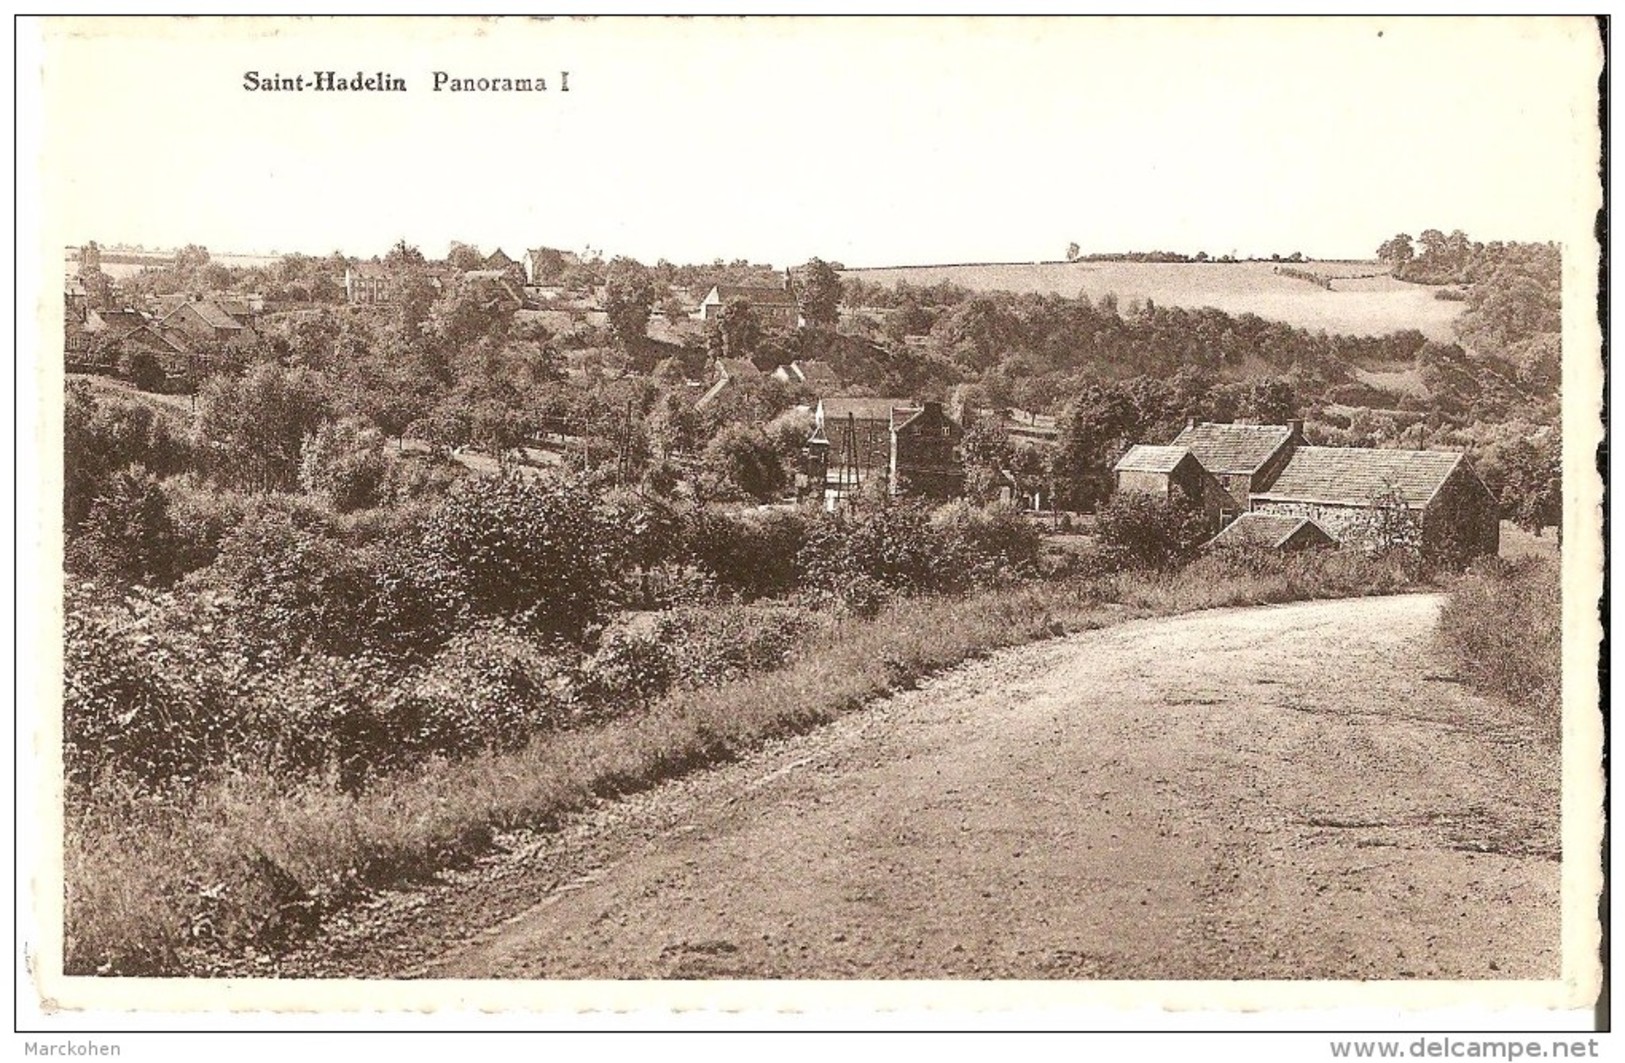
x=1079 y=517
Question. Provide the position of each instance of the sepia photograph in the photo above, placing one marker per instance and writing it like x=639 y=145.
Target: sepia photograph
x=790 y=513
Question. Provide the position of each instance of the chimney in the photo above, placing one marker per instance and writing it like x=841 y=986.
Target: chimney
x=1296 y=424
x=1190 y=422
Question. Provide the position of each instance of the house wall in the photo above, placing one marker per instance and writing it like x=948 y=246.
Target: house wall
x=923 y=458
x=1343 y=522
x=1462 y=520
x=1154 y=483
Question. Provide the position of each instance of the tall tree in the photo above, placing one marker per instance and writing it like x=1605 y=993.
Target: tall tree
x=818 y=293
x=629 y=294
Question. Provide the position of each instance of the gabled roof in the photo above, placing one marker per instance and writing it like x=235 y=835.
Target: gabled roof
x=1353 y=476
x=211 y=314
x=838 y=409
x=1143 y=457
x=737 y=367
x=114 y=322
x=1266 y=529
x=755 y=296
x=816 y=372
x=1234 y=448
x=497 y=259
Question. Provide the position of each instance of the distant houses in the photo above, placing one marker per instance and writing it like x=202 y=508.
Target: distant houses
x=774 y=306
x=1266 y=483
x=913 y=445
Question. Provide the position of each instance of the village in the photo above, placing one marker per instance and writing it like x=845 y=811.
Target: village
x=1255 y=484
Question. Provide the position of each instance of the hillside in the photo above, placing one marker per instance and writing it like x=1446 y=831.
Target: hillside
x=1356 y=304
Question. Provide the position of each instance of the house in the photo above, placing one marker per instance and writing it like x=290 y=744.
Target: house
x=728 y=370
x=1350 y=493
x=1344 y=488
x=1273 y=531
x=814 y=373
x=925 y=453
x=1165 y=470
x=914 y=445
x=499 y=286
x=499 y=261
x=367 y=282
x=774 y=306
x=545 y=265
x=203 y=320
x=1243 y=458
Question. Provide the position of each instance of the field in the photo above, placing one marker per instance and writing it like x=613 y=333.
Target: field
x=1356 y=305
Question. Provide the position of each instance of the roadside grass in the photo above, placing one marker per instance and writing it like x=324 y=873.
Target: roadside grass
x=1503 y=624
x=242 y=864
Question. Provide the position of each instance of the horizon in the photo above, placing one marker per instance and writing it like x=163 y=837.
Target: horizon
x=874 y=143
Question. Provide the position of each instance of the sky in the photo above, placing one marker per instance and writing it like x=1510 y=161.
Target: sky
x=865 y=141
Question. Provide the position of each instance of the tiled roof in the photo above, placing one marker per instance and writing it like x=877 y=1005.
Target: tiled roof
x=737 y=367
x=816 y=372
x=762 y=296
x=1355 y=475
x=212 y=315
x=1143 y=457
x=863 y=409
x=1262 y=529
x=1233 y=448
x=114 y=322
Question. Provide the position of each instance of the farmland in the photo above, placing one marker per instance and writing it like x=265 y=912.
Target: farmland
x=1356 y=304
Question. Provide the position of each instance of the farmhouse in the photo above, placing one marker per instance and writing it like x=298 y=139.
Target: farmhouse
x=1163 y=470
x=1243 y=458
x=925 y=453
x=775 y=306
x=366 y=282
x=1346 y=493
x=1340 y=487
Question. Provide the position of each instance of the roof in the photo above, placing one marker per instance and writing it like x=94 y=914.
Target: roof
x=1234 y=448
x=114 y=321
x=211 y=314
x=756 y=296
x=1264 y=529
x=816 y=372
x=737 y=367
x=497 y=259
x=862 y=409
x=1353 y=476
x=1145 y=458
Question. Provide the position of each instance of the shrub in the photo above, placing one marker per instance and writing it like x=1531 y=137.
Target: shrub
x=508 y=546
x=344 y=462
x=750 y=554
x=1503 y=621
x=1142 y=530
x=128 y=535
x=995 y=542
x=203 y=516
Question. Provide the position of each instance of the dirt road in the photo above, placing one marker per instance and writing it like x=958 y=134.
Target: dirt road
x=1282 y=792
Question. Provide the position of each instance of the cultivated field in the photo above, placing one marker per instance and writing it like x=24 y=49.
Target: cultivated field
x=1356 y=305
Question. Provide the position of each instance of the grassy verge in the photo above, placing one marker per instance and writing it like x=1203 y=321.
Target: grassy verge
x=1503 y=623
x=159 y=886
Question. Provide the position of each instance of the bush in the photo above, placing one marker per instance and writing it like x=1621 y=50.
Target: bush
x=508 y=546
x=995 y=543
x=752 y=555
x=128 y=535
x=344 y=462
x=1141 y=530
x=1503 y=622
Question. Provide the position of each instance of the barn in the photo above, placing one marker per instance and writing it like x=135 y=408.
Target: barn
x=1159 y=470
x=1341 y=488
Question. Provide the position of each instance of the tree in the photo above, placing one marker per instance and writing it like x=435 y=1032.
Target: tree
x=1139 y=529
x=412 y=290
x=464 y=257
x=1072 y=251
x=254 y=427
x=740 y=461
x=1091 y=429
x=739 y=329
x=818 y=293
x=629 y=294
